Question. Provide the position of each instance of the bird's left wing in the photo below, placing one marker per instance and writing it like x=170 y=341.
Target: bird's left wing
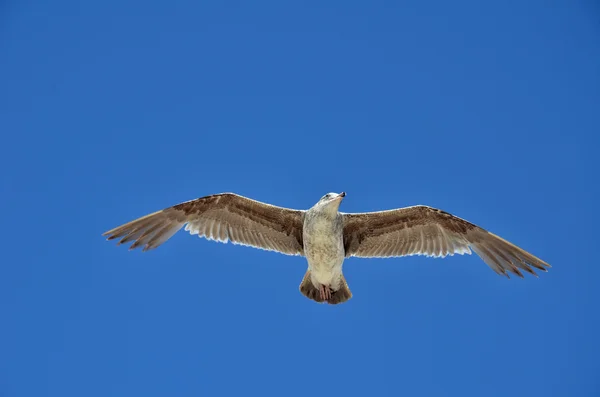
x=221 y=217
x=422 y=230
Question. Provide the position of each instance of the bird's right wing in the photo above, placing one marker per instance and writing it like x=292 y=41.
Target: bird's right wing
x=422 y=230
x=221 y=217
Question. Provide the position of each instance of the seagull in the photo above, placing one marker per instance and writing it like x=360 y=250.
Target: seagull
x=326 y=236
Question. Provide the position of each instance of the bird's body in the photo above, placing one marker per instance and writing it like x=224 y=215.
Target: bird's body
x=323 y=236
x=326 y=236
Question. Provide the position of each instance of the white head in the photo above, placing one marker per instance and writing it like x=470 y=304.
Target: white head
x=330 y=201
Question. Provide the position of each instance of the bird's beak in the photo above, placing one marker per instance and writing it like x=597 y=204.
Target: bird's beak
x=342 y=194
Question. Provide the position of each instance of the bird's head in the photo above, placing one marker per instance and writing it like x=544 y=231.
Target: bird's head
x=331 y=201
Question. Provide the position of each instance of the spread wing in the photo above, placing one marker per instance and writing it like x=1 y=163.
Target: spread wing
x=422 y=230
x=221 y=217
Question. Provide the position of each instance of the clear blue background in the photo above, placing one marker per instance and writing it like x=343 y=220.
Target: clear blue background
x=111 y=110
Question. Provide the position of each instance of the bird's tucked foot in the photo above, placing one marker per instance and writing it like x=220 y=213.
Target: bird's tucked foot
x=324 y=292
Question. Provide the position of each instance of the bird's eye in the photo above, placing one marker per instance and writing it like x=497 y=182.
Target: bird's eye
x=327 y=196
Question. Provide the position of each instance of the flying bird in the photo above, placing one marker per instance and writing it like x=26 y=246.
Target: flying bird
x=326 y=236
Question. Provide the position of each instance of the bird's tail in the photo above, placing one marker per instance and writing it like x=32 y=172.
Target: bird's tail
x=341 y=295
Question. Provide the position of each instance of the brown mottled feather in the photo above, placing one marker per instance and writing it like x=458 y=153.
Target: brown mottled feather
x=341 y=295
x=422 y=230
x=221 y=217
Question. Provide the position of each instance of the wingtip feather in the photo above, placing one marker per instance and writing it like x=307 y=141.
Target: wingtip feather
x=149 y=231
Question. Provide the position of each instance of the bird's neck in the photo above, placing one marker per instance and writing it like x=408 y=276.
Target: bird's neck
x=329 y=211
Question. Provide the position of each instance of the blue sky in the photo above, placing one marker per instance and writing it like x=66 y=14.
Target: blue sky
x=111 y=110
